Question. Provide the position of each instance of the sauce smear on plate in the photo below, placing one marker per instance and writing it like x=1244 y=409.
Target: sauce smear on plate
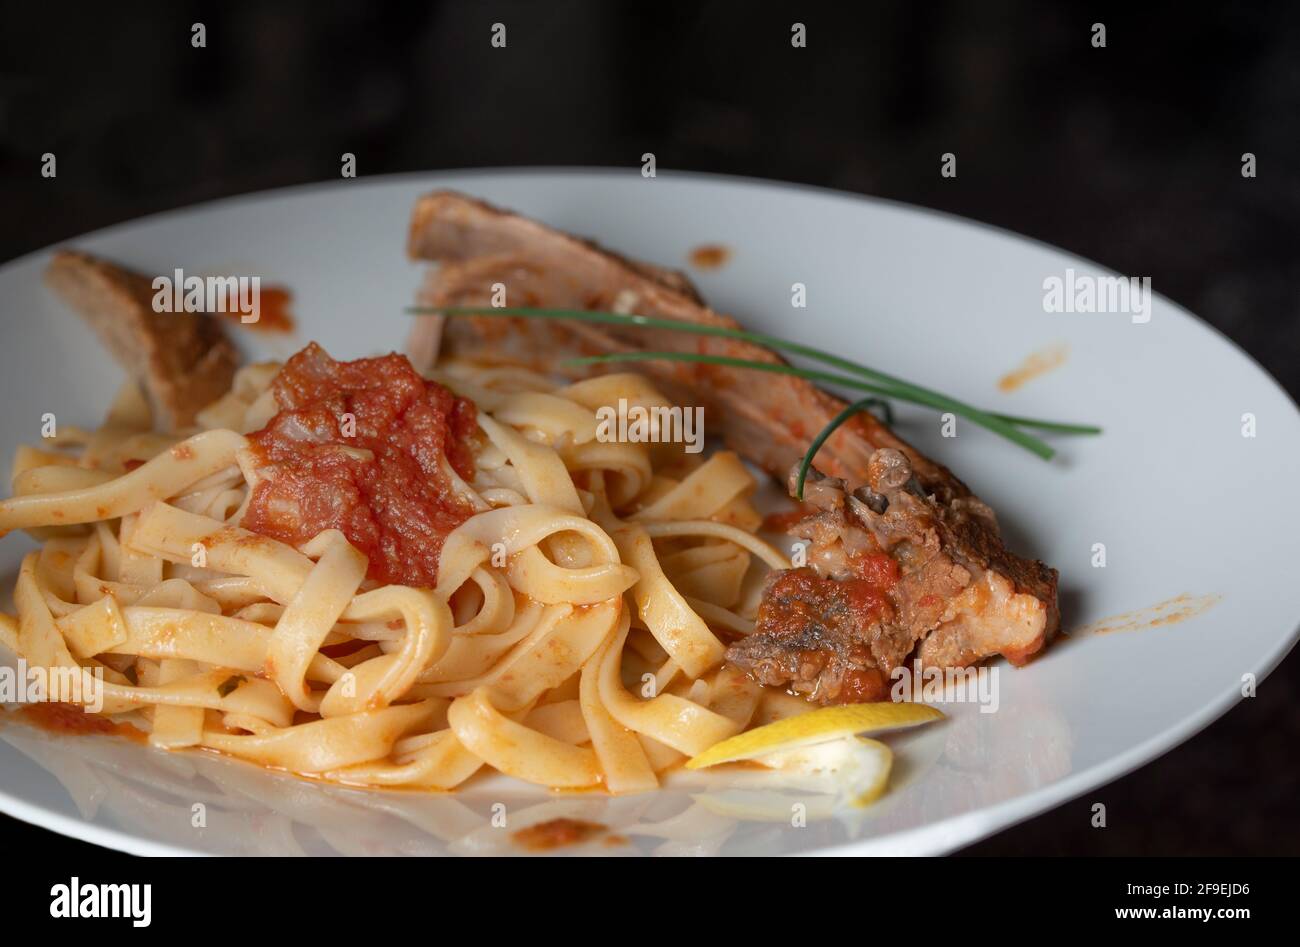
x=73 y=720
x=545 y=836
x=1034 y=366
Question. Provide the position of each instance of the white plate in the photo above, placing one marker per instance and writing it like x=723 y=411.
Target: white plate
x=1183 y=502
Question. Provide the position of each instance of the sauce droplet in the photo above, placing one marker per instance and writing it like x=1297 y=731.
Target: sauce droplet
x=1037 y=364
x=272 y=312
x=710 y=256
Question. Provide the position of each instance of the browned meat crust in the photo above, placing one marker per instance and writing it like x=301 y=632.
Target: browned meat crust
x=770 y=420
x=961 y=594
x=183 y=359
x=820 y=638
x=452 y=227
x=951 y=601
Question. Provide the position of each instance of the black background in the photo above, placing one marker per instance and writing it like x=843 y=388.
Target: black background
x=1128 y=155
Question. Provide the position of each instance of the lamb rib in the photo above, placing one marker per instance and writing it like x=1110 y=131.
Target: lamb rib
x=954 y=596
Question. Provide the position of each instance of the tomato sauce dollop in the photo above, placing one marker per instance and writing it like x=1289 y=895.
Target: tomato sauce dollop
x=363 y=447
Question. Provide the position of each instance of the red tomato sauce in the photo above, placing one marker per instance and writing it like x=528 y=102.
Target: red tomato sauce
x=785 y=520
x=878 y=569
x=798 y=600
x=362 y=447
x=867 y=591
x=273 y=313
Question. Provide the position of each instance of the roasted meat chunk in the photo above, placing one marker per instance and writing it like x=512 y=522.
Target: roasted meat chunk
x=182 y=360
x=946 y=600
x=815 y=636
x=957 y=595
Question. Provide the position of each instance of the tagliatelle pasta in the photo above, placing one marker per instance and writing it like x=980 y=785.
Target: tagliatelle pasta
x=574 y=637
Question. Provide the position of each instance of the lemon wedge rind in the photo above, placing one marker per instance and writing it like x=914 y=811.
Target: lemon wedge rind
x=819 y=726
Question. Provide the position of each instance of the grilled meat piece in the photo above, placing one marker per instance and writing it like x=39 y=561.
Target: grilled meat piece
x=952 y=600
x=816 y=636
x=769 y=419
x=183 y=360
x=959 y=595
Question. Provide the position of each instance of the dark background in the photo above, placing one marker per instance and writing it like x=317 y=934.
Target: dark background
x=1128 y=155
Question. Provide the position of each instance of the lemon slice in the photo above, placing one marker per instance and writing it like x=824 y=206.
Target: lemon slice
x=819 y=726
x=859 y=767
x=871 y=786
x=824 y=776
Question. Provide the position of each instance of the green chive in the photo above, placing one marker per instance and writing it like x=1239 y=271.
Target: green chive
x=1005 y=428
x=885 y=407
x=758 y=338
x=1059 y=427
x=892 y=387
x=821 y=439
